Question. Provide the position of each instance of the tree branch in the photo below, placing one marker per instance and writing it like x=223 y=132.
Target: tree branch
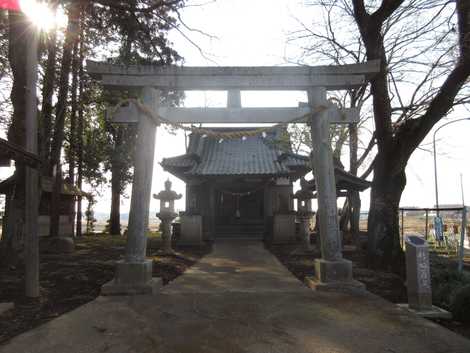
x=412 y=132
x=386 y=9
x=366 y=152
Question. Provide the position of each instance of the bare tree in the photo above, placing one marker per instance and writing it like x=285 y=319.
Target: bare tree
x=438 y=92
x=423 y=46
x=71 y=37
x=320 y=43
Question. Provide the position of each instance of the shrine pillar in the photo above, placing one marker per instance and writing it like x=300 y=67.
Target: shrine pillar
x=331 y=271
x=134 y=273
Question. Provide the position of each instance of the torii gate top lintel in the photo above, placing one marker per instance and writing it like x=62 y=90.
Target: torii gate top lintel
x=233 y=77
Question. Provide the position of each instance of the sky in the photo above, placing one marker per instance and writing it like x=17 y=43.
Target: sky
x=253 y=33
x=235 y=37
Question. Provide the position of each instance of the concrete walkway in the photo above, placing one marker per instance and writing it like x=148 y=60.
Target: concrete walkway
x=238 y=299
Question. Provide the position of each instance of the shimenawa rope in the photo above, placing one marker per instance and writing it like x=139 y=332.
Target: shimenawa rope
x=217 y=134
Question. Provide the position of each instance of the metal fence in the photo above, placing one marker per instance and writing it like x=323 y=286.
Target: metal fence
x=446 y=229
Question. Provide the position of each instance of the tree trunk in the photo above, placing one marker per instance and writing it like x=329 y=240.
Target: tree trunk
x=17 y=53
x=81 y=76
x=116 y=163
x=383 y=246
x=115 y=216
x=354 y=200
x=73 y=113
x=355 y=216
x=116 y=182
x=345 y=216
x=73 y=124
x=386 y=190
x=61 y=109
x=47 y=107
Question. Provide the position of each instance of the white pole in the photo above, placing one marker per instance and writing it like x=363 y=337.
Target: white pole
x=462 y=238
x=464 y=226
x=435 y=158
x=461 y=189
x=436 y=189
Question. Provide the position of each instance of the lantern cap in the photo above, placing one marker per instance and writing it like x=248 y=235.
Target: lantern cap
x=167 y=194
x=303 y=195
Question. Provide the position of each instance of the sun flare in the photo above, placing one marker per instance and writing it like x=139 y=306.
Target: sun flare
x=42 y=15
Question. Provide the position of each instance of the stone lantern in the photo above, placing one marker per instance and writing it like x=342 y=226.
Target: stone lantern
x=304 y=214
x=167 y=214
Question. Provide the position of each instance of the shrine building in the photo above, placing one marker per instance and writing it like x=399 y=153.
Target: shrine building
x=243 y=188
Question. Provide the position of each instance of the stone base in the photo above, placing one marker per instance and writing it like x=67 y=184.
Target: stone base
x=283 y=229
x=431 y=313
x=333 y=271
x=351 y=286
x=166 y=252
x=301 y=250
x=5 y=307
x=62 y=245
x=191 y=242
x=334 y=276
x=151 y=287
x=191 y=230
x=132 y=278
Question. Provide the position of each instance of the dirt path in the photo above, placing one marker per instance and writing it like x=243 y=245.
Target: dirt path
x=239 y=298
x=68 y=281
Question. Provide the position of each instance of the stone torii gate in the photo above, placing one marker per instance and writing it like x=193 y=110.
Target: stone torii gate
x=134 y=273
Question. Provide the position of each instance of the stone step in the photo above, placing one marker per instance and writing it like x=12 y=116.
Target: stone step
x=239 y=236
x=235 y=233
x=241 y=225
x=229 y=232
x=254 y=230
x=240 y=228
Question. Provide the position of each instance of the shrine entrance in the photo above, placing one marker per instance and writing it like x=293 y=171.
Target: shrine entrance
x=134 y=273
x=238 y=208
x=239 y=215
x=235 y=208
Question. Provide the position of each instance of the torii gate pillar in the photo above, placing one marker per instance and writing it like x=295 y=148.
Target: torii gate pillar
x=332 y=271
x=134 y=273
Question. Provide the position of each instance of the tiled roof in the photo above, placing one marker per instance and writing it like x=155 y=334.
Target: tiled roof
x=254 y=155
x=293 y=160
x=348 y=181
x=344 y=181
x=47 y=184
x=184 y=161
x=10 y=151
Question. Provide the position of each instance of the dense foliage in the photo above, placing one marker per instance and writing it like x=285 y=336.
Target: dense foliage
x=76 y=143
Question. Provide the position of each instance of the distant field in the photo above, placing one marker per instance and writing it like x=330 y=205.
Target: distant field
x=100 y=226
x=415 y=222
